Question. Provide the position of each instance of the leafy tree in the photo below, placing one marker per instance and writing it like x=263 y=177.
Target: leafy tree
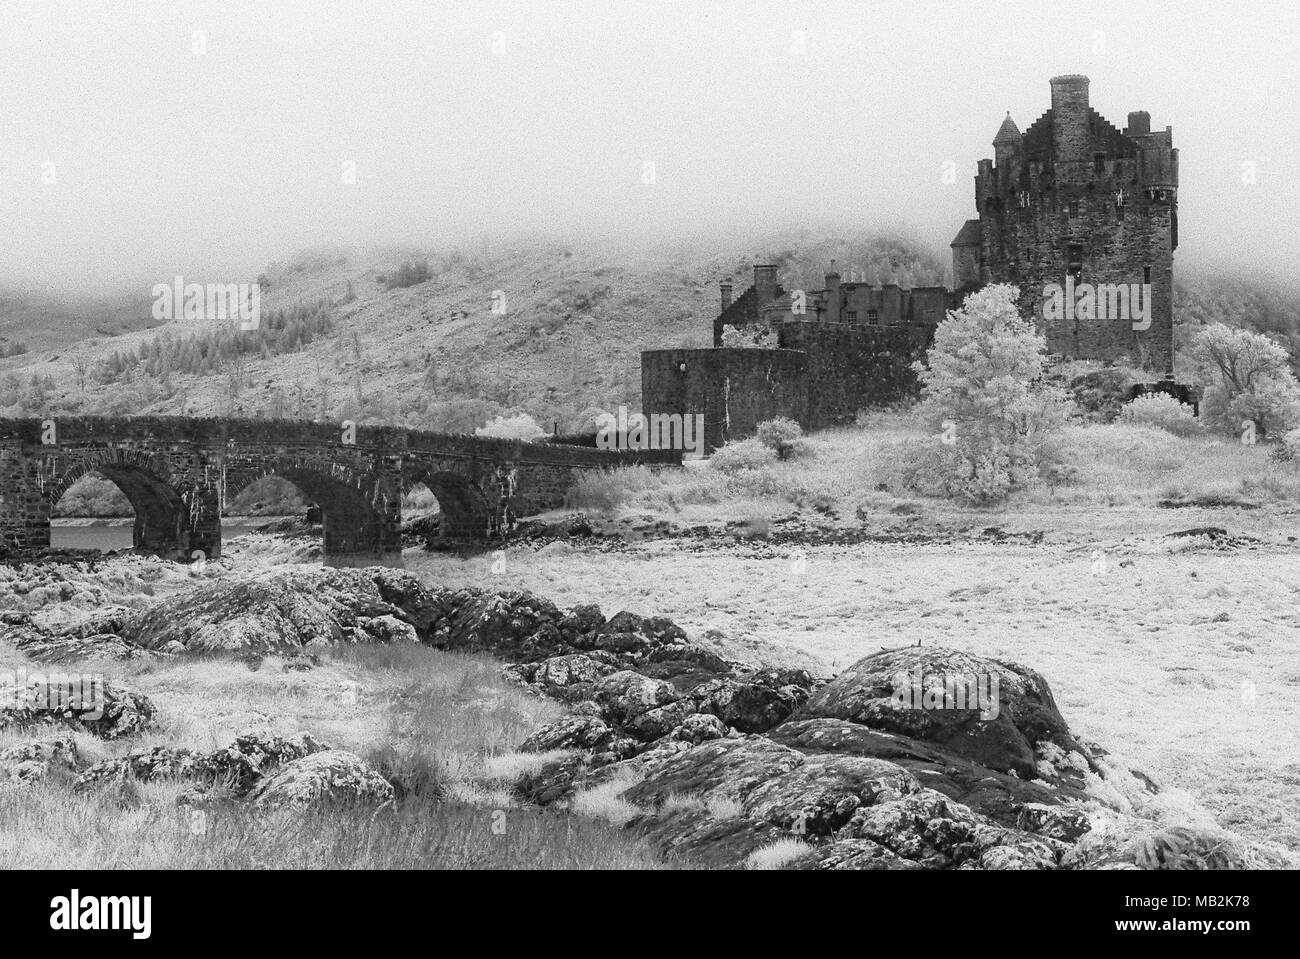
x=1247 y=376
x=993 y=421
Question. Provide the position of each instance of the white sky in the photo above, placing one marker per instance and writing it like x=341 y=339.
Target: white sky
x=169 y=161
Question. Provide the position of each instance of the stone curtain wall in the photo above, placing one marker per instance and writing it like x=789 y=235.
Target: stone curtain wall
x=853 y=368
x=735 y=389
x=178 y=473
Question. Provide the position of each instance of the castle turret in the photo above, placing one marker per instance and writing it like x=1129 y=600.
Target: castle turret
x=1007 y=141
x=725 y=286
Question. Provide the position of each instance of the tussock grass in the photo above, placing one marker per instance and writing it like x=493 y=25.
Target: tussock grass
x=441 y=727
x=48 y=827
x=778 y=854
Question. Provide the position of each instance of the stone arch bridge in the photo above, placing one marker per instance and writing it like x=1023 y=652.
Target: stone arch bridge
x=179 y=473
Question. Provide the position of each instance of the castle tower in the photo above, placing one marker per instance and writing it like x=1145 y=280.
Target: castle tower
x=1074 y=203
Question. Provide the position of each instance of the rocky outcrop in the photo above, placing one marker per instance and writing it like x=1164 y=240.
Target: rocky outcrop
x=872 y=770
x=883 y=767
x=238 y=767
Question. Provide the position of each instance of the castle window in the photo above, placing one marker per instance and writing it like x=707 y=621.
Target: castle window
x=1099 y=162
x=873 y=317
x=1146 y=274
x=1074 y=266
x=851 y=316
x=1074 y=209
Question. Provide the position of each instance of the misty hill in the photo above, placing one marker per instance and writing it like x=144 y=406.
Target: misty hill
x=541 y=327
x=446 y=339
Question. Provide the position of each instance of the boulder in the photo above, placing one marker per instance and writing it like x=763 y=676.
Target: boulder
x=1001 y=736
x=333 y=776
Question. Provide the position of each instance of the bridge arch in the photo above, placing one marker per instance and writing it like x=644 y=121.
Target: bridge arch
x=145 y=479
x=466 y=510
x=358 y=514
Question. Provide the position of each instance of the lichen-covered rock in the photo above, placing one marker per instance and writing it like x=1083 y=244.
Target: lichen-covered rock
x=748 y=706
x=853 y=854
x=659 y=722
x=31 y=762
x=625 y=694
x=925 y=827
x=822 y=793
x=700 y=728
x=387 y=629
x=561 y=672
x=80 y=701
x=723 y=768
x=333 y=776
x=1066 y=823
x=240 y=766
x=571 y=732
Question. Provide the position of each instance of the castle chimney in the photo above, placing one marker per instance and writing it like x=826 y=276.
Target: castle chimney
x=1139 y=124
x=726 y=294
x=764 y=284
x=1070 y=137
x=833 y=295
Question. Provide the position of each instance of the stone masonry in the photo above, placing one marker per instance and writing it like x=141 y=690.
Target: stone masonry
x=179 y=472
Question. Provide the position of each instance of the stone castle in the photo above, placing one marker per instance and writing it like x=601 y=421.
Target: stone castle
x=1072 y=201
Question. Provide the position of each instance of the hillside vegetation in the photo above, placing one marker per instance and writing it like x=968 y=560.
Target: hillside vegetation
x=446 y=339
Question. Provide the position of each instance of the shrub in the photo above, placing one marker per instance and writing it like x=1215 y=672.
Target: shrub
x=747 y=454
x=1162 y=411
x=781 y=435
x=409 y=273
x=748 y=337
x=521 y=426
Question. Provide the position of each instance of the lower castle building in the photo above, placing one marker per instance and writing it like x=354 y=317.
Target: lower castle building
x=1079 y=215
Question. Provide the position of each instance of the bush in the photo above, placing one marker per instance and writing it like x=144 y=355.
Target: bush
x=409 y=273
x=747 y=454
x=1162 y=411
x=748 y=337
x=781 y=435
x=521 y=426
